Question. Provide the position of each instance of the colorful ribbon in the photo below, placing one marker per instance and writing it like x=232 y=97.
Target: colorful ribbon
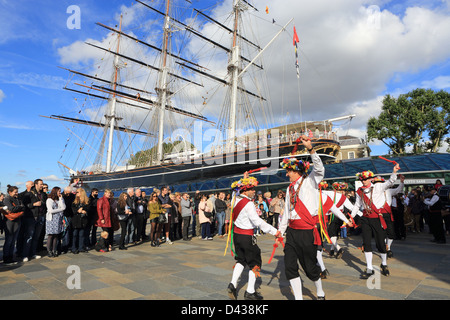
x=230 y=228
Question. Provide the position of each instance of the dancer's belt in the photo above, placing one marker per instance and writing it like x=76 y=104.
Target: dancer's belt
x=248 y=232
x=300 y=224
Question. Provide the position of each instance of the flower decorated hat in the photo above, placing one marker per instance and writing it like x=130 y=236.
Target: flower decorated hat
x=323 y=184
x=365 y=175
x=378 y=179
x=244 y=184
x=339 y=186
x=295 y=164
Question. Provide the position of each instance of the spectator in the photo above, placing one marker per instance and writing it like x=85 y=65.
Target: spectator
x=123 y=213
x=54 y=216
x=155 y=209
x=175 y=217
x=139 y=204
x=103 y=245
x=186 y=213
x=146 y=215
x=131 y=222
x=221 y=207
x=436 y=223
x=28 y=225
x=416 y=204
x=91 y=228
x=105 y=214
x=166 y=204
x=398 y=210
x=39 y=209
x=67 y=238
x=80 y=207
x=195 y=223
x=276 y=208
x=14 y=209
x=438 y=184
x=205 y=221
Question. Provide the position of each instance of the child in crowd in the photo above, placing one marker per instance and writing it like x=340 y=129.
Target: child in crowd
x=102 y=244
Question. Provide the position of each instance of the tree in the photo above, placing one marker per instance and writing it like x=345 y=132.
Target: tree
x=419 y=119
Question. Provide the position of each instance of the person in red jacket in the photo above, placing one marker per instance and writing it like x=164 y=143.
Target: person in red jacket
x=105 y=215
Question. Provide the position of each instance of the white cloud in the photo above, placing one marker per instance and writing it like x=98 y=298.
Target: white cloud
x=52 y=177
x=2 y=95
x=441 y=82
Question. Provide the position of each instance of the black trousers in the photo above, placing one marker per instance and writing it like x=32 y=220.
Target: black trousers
x=247 y=251
x=437 y=226
x=186 y=223
x=334 y=228
x=300 y=247
x=399 y=223
x=369 y=227
x=390 y=231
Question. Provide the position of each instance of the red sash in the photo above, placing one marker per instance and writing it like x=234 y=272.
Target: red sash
x=236 y=211
x=306 y=221
x=341 y=200
x=387 y=209
x=373 y=212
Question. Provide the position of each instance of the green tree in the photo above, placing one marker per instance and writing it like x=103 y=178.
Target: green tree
x=419 y=118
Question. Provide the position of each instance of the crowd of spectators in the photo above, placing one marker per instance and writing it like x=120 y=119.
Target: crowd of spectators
x=71 y=221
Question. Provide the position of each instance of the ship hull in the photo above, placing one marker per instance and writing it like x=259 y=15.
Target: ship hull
x=190 y=172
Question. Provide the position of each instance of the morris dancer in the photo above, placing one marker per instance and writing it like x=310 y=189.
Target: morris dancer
x=300 y=219
x=247 y=253
x=372 y=198
x=334 y=226
x=387 y=215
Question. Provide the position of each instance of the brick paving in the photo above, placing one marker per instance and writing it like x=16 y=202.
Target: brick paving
x=198 y=270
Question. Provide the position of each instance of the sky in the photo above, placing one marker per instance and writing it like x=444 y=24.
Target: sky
x=351 y=54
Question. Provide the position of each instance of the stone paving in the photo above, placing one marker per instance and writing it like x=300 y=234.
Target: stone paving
x=198 y=270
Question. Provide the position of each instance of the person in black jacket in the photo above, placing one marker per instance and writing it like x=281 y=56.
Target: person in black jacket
x=91 y=228
x=28 y=226
x=68 y=197
x=13 y=206
x=80 y=207
x=39 y=208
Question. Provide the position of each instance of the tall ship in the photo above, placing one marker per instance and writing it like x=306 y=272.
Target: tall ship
x=170 y=77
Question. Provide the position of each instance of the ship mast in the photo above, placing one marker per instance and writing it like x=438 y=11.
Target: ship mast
x=162 y=90
x=112 y=115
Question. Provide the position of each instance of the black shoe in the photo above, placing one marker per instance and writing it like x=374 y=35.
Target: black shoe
x=367 y=274
x=331 y=253
x=231 y=290
x=122 y=248
x=321 y=298
x=339 y=254
x=390 y=254
x=253 y=296
x=323 y=274
x=384 y=270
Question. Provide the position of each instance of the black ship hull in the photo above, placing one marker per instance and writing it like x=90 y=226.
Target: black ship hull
x=191 y=172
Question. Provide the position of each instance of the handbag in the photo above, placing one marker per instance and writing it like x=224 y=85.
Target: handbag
x=122 y=217
x=13 y=215
x=162 y=218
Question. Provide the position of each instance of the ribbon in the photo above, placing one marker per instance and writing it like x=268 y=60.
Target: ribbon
x=275 y=246
x=391 y=161
x=321 y=218
x=230 y=228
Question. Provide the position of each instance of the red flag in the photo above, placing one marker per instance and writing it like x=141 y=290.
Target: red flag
x=296 y=40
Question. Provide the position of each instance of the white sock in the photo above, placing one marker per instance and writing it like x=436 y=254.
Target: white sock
x=320 y=260
x=369 y=260
x=383 y=259
x=238 y=268
x=251 y=282
x=389 y=243
x=296 y=285
x=319 y=289
x=334 y=242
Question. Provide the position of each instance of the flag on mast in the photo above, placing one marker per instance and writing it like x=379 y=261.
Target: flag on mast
x=296 y=40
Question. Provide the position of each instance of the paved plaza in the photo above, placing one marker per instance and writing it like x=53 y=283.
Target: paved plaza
x=198 y=270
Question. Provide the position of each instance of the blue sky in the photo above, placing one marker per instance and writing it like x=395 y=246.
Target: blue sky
x=32 y=34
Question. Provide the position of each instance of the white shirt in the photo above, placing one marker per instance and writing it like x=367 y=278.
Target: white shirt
x=248 y=218
x=347 y=204
x=390 y=193
x=378 y=196
x=309 y=195
x=431 y=201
